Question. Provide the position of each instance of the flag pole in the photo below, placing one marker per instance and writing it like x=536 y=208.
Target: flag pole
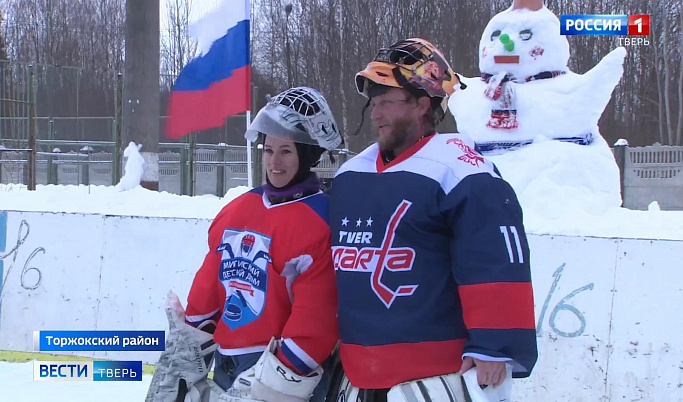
x=250 y=164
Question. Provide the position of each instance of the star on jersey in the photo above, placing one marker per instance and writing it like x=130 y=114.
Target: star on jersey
x=369 y=221
x=345 y=221
x=358 y=222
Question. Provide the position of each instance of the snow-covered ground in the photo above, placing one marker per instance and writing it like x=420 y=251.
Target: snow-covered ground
x=550 y=193
x=19 y=386
x=107 y=200
x=570 y=189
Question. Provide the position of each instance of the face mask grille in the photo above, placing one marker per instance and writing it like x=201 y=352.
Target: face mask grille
x=405 y=53
x=304 y=102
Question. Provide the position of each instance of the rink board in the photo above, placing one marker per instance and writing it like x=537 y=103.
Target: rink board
x=606 y=309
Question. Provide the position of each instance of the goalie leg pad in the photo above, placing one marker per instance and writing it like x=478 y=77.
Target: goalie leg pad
x=346 y=391
x=449 y=387
x=227 y=368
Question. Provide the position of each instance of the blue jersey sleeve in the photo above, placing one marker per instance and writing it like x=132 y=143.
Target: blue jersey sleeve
x=490 y=263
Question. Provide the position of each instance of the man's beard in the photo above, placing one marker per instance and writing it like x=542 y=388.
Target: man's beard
x=400 y=131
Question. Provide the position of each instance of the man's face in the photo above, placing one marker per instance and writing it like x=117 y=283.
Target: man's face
x=394 y=118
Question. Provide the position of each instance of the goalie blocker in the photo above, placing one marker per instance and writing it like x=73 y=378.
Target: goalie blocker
x=186 y=360
x=182 y=371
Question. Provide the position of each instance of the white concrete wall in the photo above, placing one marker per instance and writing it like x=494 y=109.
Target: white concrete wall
x=616 y=333
x=96 y=272
x=606 y=309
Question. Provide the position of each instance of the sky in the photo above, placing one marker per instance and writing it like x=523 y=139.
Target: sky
x=198 y=8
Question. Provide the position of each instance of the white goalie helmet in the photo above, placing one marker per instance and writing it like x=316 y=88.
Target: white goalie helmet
x=300 y=114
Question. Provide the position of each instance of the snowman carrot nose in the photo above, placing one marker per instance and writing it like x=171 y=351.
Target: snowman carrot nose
x=507 y=42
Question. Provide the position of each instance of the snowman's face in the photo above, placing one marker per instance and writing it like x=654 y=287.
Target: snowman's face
x=523 y=43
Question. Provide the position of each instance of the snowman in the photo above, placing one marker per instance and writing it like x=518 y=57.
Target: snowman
x=526 y=89
x=536 y=119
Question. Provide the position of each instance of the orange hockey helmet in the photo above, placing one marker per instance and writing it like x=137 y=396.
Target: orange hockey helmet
x=413 y=64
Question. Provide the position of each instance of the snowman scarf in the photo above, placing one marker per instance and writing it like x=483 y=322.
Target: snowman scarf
x=498 y=89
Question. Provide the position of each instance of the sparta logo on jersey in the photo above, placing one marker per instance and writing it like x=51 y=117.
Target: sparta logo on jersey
x=376 y=260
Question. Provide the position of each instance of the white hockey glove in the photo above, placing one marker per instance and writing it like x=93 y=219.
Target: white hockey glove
x=447 y=387
x=270 y=380
x=185 y=361
x=501 y=393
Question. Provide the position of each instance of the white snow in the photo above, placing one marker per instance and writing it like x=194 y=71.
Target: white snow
x=653 y=206
x=573 y=189
x=107 y=200
x=564 y=188
x=566 y=106
x=527 y=30
x=133 y=169
x=19 y=386
x=556 y=197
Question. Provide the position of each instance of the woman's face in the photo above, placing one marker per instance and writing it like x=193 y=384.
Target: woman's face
x=281 y=160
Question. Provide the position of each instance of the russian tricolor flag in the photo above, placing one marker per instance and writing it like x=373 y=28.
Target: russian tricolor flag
x=216 y=84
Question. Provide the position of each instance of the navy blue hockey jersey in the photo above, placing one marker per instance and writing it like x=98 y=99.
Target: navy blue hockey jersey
x=431 y=261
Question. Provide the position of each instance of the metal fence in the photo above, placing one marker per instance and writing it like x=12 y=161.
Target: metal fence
x=48 y=121
x=214 y=169
x=652 y=173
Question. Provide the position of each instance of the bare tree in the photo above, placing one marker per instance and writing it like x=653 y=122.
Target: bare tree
x=3 y=52
x=331 y=40
x=679 y=129
x=177 y=47
x=76 y=47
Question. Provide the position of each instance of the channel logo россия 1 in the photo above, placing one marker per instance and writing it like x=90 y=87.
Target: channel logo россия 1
x=615 y=25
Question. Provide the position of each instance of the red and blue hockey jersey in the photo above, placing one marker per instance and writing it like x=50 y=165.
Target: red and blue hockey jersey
x=269 y=273
x=432 y=263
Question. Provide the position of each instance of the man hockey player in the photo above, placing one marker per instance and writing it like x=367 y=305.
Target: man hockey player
x=430 y=253
x=267 y=283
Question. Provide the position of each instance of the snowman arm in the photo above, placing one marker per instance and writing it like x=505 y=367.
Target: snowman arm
x=606 y=74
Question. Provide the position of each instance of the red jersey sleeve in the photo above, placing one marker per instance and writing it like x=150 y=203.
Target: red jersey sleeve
x=311 y=331
x=203 y=301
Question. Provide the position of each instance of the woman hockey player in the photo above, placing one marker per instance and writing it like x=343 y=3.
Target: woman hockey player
x=267 y=283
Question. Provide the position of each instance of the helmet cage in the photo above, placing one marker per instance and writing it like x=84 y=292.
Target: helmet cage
x=300 y=114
